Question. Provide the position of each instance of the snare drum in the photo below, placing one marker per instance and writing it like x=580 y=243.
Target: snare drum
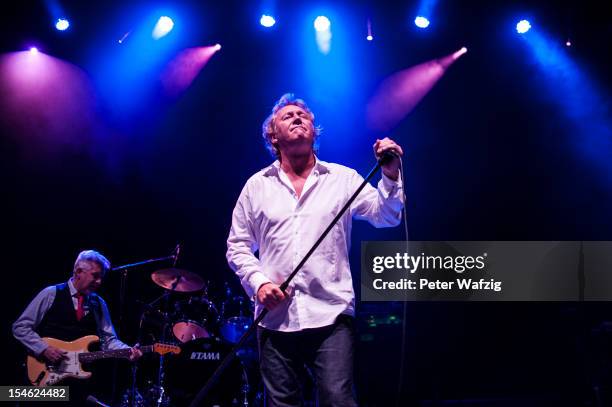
x=194 y=318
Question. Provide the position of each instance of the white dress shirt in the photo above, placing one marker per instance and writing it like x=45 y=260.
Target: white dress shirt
x=270 y=218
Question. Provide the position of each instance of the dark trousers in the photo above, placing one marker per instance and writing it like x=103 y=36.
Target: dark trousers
x=327 y=351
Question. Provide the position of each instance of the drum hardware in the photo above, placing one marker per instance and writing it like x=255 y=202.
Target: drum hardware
x=245 y=388
x=197 y=360
x=205 y=330
x=178 y=280
x=122 y=292
x=132 y=398
x=194 y=318
x=237 y=316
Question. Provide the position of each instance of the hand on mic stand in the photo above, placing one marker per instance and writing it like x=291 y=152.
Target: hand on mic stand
x=388 y=154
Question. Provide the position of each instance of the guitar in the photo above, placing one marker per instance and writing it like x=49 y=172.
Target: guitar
x=42 y=373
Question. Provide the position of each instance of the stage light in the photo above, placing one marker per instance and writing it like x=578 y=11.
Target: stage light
x=523 y=26
x=62 y=24
x=568 y=43
x=460 y=52
x=183 y=69
x=322 y=23
x=421 y=22
x=267 y=21
x=370 y=37
x=323 y=34
x=120 y=41
x=404 y=90
x=163 y=27
x=33 y=50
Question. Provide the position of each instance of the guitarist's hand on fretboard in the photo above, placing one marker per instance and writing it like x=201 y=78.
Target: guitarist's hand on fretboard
x=135 y=353
x=53 y=354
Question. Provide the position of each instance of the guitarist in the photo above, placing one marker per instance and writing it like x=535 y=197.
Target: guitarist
x=69 y=311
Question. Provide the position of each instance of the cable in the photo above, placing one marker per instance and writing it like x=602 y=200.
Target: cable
x=405 y=303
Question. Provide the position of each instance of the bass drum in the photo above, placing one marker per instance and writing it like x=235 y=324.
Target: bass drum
x=195 y=318
x=187 y=372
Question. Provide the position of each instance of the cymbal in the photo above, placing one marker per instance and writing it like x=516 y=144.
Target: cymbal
x=187 y=280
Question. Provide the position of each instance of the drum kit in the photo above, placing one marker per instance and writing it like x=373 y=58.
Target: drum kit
x=205 y=330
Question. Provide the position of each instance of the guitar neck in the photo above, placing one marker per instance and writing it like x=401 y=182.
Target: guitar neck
x=110 y=354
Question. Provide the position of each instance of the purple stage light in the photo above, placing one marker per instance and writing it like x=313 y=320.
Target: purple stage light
x=185 y=67
x=399 y=94
x=57 y=107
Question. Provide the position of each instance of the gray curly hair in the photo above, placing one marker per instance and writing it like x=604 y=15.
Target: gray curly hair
x=268 y=129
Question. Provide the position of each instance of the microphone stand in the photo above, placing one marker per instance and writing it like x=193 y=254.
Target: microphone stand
x=123 y=285
x=198 y=400
x=122 y=292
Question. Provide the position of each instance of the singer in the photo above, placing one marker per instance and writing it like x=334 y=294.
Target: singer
x=67 y=312
x=280 y=213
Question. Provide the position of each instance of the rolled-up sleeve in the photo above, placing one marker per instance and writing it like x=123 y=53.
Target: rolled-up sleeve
x=24 y=326
x=381 y=207
x=242 y=245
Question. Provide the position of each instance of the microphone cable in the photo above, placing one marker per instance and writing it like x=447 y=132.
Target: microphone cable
x=400 y=379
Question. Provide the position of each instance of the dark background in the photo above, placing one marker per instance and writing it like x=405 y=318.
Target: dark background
x=491 y=154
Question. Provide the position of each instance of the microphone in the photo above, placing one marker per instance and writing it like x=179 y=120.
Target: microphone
x=387 y=156
x=95 y=402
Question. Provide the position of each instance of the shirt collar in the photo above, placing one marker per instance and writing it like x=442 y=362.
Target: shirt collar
x=320 y=167
x=73 y=291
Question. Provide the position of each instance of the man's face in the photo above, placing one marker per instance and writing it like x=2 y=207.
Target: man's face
x=88 y=278
x=294 y=130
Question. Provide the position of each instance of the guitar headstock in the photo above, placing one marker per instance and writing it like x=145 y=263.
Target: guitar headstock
x=163 y=348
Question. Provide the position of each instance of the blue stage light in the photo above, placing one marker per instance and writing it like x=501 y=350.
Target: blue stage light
x=369 y=38
x=267 y=21
x=164 y=26
x=523 y=26
x=62 y=24
x=421 y=22
x=322 y=23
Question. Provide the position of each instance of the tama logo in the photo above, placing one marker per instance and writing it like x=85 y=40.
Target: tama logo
x=206 y=355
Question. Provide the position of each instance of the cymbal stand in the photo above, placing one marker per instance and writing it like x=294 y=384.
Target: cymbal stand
x=122 y=293
x=245 y=387
x=163 y=399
